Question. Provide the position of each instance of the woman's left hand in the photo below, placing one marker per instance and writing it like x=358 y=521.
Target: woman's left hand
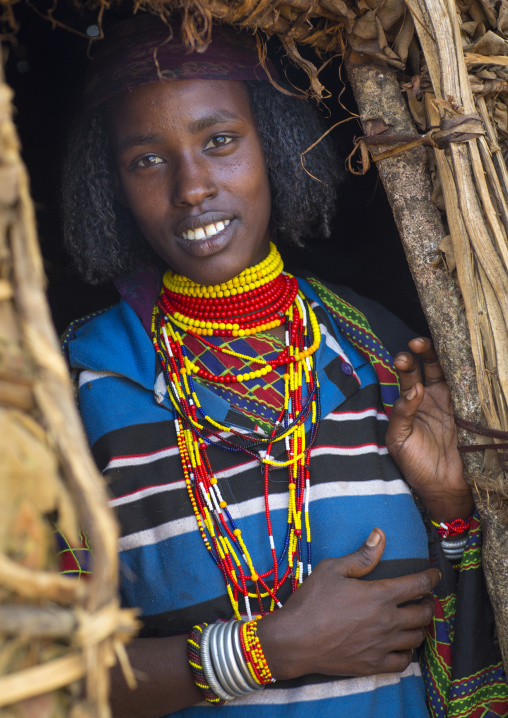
x=422 y=436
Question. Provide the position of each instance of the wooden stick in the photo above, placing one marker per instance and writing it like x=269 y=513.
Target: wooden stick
x=41 y=585
x=37 y=621
x=41 y=679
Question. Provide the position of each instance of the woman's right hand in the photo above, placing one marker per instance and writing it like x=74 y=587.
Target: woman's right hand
x=334 y=624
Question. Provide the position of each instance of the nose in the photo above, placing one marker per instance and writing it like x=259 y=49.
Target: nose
x=193 y=182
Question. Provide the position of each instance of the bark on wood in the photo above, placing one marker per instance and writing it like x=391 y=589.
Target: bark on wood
x=407 y=184
x=37 y=622
x=406 y=180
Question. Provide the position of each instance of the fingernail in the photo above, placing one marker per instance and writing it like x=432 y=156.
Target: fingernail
x=411 y=394
x=374 y=539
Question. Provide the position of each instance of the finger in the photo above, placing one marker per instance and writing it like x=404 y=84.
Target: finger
x=409 y=588
x=366 y=558
x=424 y=347
x=403 y=414
x=408 y=370
x=417 y=615
x=395 y=662
x=407 y=640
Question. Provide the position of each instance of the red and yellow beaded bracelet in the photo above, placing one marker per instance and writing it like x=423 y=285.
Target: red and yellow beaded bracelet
x=453 y=528
x=253 y=653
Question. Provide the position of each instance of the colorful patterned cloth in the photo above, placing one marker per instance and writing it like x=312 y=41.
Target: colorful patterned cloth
x=355 y=326
x=460 y=659
x=74 y=561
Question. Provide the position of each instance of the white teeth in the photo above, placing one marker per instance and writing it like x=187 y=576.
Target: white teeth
x=209 y=231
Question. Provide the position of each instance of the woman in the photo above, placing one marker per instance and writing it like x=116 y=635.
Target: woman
x=245 y=417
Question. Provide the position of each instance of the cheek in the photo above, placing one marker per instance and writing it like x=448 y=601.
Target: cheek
x=248 y=179
x=146 y=202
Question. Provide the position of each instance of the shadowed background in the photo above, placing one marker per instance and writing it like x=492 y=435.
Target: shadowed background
x=45 y=67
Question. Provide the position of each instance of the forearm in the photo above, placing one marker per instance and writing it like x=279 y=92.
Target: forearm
x=165 y=683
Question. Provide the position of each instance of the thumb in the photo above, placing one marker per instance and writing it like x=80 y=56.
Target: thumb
x=366 y=558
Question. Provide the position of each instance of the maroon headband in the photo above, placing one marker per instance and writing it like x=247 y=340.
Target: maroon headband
x=137 y=52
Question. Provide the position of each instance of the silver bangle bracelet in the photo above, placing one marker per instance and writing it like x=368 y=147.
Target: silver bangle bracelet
x=453 y=545
x=219 y=660
x=231 y=668
x=216 y=662
x=208 y=669
x=223 y=662
x=453 y=549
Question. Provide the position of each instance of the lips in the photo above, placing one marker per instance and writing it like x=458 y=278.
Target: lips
x=207 y=224
x=206 y=234
x=206 y=231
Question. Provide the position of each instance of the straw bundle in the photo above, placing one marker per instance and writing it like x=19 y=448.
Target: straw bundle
x=54 y=631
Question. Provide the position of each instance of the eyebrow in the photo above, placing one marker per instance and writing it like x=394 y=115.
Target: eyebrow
x=203 y=123
x=134 y=140
x=195 y=127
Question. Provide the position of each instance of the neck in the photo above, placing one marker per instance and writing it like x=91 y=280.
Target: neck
x=256 y=300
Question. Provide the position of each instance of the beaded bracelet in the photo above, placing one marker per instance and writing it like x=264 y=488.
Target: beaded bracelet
x=454 y=528
x=195 y=663
x=217 y=662
x=253 y=653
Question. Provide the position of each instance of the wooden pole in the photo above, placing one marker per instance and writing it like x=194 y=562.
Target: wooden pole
x=406 y=180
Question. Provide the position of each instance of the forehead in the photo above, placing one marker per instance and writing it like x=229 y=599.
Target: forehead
x=183 y=105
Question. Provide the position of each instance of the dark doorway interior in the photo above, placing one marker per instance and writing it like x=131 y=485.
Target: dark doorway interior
x=45 y=67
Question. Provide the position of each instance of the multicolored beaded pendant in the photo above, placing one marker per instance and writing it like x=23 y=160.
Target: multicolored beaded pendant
x=259 y=299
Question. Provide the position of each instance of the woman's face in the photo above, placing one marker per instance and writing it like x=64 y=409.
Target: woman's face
x=191 y=168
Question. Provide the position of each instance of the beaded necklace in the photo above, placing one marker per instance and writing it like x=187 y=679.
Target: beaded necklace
x=259 y=299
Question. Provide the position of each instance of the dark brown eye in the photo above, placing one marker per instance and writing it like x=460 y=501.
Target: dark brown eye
x=218 y=141
x=149 y=161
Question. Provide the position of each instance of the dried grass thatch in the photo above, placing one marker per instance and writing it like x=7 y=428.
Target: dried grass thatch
x=54 y=631
x=451 y=61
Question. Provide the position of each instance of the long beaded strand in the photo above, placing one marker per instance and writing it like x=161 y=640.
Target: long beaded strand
x=221 y=536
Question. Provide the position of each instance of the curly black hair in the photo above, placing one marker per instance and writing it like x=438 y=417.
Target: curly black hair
x=101 y=235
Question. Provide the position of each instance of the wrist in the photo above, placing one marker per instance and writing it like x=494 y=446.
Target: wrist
x=226 y=660
x=282 y=658
x=448 y=506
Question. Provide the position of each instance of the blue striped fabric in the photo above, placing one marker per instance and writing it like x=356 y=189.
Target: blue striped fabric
x=166 y=570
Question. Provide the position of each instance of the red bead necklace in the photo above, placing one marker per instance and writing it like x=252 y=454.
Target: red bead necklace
x=258 y=303
x=222 y=537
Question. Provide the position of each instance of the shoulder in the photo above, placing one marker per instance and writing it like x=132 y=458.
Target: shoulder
x=351 y=307
x=113 y=363
x=114 y=341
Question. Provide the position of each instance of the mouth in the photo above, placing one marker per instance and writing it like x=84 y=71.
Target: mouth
x=205 y=231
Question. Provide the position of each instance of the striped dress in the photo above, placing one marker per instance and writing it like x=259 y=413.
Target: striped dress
x=165 y=568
